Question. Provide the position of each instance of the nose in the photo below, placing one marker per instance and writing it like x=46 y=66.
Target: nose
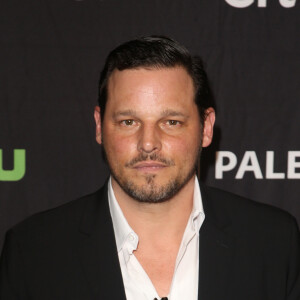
x=149 y=139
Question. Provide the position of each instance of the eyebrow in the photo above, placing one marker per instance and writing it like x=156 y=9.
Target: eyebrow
x=172 y=113
x=125 y=113
x=165 y=113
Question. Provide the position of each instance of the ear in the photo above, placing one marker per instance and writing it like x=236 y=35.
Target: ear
x=97 y=117
x=208 y=126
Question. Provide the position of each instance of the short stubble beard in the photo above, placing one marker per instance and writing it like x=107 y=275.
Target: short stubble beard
x=150 y=192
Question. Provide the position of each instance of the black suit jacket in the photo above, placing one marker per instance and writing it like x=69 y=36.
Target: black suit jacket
x=248 y=251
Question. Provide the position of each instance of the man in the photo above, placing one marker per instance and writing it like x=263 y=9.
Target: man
x=152 y=231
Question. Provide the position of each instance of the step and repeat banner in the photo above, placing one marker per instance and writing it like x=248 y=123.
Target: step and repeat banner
x=51 y=53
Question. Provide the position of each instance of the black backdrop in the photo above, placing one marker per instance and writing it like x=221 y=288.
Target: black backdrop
x=51 y=52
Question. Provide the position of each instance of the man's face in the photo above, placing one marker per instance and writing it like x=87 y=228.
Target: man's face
x=151 y=132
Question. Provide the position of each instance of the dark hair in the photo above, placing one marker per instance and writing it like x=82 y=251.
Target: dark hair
x=156 y=52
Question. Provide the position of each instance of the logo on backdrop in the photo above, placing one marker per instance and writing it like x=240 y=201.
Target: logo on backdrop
x=260 y=3
x=227 y=162
x=18 y=171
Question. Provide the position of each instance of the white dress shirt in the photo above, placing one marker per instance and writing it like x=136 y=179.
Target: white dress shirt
x=136 y=281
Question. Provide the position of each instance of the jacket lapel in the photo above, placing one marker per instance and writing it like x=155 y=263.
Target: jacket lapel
x=216 y=251
x=97 y=249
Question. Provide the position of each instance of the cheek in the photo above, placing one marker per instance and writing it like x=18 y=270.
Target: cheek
x=118 y=147
x=182 y=149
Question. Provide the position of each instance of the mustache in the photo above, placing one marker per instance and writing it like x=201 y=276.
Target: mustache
x=149 y=157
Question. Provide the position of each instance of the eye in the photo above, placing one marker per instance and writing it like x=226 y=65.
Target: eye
x=127 y=122
x=173 y=122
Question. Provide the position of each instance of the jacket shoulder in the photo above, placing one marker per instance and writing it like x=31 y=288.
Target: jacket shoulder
x=62 y=218
x=244 y=212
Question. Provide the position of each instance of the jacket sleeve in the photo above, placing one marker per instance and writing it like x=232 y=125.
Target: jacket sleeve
x=293 y=277
x=11 y=279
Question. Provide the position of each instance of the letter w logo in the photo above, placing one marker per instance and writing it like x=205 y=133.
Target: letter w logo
x=18 y=171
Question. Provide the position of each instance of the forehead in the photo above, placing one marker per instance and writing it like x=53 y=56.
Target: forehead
x=169 y=86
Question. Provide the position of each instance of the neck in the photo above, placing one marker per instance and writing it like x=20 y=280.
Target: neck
x=157 y=221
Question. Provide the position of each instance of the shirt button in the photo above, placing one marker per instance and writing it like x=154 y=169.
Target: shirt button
x=131 y=237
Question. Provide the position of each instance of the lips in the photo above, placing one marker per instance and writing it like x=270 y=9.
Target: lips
x=149 y=166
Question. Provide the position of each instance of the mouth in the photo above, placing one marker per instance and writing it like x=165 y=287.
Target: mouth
x=149 y=166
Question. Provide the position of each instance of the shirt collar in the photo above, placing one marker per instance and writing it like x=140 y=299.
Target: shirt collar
x=123 y=230
x=197 y=207
x=121 y=227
